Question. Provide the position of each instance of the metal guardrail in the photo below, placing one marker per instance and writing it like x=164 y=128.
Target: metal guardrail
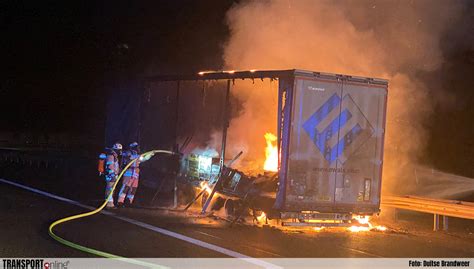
x=437 y=207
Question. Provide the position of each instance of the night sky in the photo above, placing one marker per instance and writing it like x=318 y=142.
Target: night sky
x=60 y=58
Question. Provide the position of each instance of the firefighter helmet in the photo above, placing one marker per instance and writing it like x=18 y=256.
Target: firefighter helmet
x=117 y=146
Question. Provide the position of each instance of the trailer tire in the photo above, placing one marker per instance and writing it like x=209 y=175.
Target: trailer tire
x=229 y=207
x=218 y=203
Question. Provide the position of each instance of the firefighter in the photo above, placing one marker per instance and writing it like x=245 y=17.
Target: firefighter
x=130 y=177
x=111 y=170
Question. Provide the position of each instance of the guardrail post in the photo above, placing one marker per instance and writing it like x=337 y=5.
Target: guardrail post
x=445 y=223
x=435 y=222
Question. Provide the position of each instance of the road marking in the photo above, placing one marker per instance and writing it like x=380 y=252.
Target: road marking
x=261 y=250
x=191 y=240
x=210 y=235
x=246 y=246
x=363 y=252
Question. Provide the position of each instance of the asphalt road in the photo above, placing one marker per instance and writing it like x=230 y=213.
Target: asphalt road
x=26 y=216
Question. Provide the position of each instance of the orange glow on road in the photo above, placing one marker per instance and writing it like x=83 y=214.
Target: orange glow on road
x=356 y=229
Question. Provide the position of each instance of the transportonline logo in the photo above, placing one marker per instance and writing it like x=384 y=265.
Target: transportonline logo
x=338 y=128
x=34 y=264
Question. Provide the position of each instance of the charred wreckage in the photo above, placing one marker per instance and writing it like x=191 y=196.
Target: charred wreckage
x=330 y=138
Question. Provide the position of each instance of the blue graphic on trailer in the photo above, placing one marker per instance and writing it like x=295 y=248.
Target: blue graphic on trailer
x=336 y=128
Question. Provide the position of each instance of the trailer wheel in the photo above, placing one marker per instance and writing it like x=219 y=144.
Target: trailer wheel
x=229 y=207
x=218 y=203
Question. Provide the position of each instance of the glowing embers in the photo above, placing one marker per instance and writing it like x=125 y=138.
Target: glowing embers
x=202 y=73
x=206 y=72
x=356 y=229
x=362 y=219
x=262 y=217
x=271 y=153
x=380 y=228
x=365 y=225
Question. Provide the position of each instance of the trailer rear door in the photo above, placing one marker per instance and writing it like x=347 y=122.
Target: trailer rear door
x=360 y=148
x=315 y=118
x=336 y=145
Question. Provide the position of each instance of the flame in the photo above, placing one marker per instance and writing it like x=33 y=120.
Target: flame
x=365 y=220
x=356 y=229
x=262 y=217
x=205 y=72
x=206 y=187
x=380 y=228
x=362 y=219
x=271 y=153
x=317 y=229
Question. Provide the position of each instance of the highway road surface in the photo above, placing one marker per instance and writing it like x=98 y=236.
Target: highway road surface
x=132 y=232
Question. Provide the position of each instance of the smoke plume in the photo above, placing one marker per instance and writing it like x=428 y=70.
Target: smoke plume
x=394 y=40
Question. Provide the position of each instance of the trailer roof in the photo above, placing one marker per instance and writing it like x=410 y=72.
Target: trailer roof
x=261 y=74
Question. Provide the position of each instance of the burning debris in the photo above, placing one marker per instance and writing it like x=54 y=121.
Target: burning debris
x=262 y=218
x=366 y=225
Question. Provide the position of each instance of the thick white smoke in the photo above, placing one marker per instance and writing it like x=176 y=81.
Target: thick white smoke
x=385 y=39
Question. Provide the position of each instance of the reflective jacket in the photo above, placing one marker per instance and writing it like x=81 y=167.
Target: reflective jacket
x=111 y=164
x=128 y=156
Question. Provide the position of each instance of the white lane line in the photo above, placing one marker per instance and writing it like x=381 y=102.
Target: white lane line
x=197 y=242
x=210 y=235
x=261 y=250
x=363 y=252
x=246 y=246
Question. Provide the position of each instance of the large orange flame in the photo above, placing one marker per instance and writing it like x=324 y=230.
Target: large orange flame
x=271 y=153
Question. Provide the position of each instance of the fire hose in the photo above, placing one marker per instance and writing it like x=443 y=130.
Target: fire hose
x=146 y=156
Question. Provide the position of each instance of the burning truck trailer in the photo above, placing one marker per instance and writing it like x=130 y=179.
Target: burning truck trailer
x=330 y=140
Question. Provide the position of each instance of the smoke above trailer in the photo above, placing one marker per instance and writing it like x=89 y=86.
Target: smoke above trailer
x=386 y=39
